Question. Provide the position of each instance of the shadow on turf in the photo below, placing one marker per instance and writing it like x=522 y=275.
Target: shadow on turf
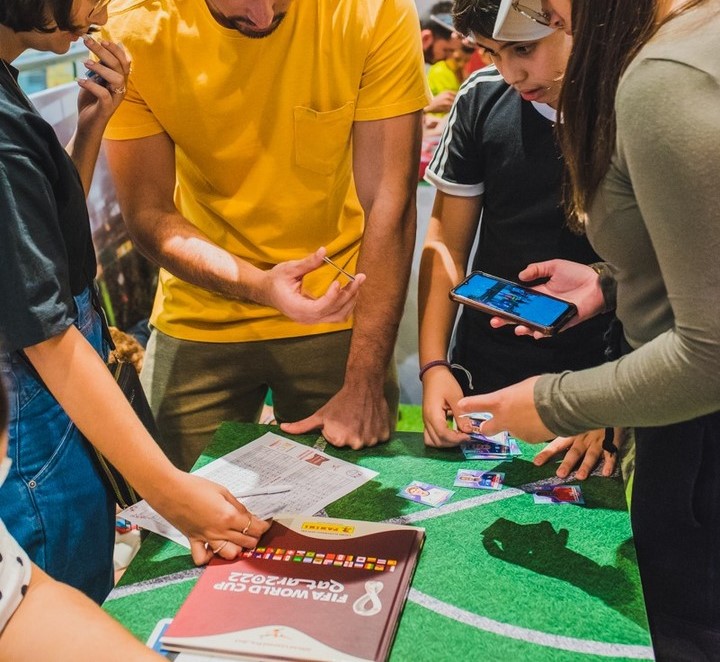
x=541 y=549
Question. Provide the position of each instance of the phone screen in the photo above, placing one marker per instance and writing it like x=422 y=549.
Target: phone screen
x=506 y=299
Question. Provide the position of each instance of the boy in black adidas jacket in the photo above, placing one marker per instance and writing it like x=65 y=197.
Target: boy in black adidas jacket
x=498 y=161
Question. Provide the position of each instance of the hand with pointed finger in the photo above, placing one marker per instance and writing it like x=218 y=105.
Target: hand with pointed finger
x=283 y=289
x=585 y=449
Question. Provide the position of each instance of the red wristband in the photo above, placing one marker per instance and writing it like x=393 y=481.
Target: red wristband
x=432 y=364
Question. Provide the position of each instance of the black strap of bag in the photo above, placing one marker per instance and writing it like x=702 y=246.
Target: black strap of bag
x=127 y=379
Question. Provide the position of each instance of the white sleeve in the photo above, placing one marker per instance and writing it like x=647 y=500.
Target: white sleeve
x=15 y=568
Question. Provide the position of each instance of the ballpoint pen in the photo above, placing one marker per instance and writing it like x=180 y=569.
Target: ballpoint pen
x=340 y=269
x=260 y=491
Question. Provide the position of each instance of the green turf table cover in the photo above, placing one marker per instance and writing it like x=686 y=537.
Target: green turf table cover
x=499 y=578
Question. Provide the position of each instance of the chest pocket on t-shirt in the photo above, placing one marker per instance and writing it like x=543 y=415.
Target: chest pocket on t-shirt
x=322 y=138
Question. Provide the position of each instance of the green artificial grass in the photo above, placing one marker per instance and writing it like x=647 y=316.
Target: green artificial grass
x=410 y=419
x=562 y=570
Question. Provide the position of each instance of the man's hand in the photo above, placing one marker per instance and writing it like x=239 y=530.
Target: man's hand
x=356 y=416
x=283 y=290
x=585 y=448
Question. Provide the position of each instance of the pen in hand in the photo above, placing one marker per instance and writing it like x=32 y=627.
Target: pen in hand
x=340 y=269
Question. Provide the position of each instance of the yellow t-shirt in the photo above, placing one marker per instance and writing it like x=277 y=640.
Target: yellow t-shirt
x=442 y=78
x=263 y=130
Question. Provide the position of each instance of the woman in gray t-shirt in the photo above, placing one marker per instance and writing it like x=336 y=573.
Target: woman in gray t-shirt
x=647 y=194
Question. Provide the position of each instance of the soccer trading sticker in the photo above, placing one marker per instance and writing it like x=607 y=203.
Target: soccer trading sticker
x=425 y=493
x=484 y=480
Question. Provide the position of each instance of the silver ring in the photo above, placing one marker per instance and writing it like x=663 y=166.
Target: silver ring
x=118 y=90
x=220 y=547
x=247 y=526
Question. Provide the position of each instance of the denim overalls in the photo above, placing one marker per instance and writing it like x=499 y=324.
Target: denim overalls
x=54 y=502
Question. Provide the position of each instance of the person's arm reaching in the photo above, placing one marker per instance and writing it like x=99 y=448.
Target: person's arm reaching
x=83 y=386
x=385 y=163
x=144 y=173
x=441 y=103
x=56 y=622
x=450 y=236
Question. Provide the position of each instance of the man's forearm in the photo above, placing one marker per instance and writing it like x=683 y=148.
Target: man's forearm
x=184 y=251
x=387 y=188
x=145 y=177
x=386 y=259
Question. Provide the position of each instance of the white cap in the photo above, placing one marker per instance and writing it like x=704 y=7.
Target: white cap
x=443 y=20
x=512 y=25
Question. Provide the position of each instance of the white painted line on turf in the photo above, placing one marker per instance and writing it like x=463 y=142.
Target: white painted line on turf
x=532 y=636
x=457 y=506
x=151 y=584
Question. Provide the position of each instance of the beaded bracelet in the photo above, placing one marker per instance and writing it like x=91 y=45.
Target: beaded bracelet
x=432 y=364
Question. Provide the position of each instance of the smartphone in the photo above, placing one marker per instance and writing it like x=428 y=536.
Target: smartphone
x=96 y=77
x=497 y=296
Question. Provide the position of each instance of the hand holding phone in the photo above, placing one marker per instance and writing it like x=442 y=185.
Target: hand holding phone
x=517 y=303
x=96 y=77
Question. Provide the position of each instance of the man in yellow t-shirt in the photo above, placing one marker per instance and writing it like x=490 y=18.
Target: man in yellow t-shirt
x=255 y=136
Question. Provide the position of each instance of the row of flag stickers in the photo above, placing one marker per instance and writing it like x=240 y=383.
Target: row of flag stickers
x=480 y=447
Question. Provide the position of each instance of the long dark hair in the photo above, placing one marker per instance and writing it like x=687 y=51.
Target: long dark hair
x=37 y=15
x=607 y=35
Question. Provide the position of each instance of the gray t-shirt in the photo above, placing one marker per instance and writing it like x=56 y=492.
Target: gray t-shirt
x=656 y=221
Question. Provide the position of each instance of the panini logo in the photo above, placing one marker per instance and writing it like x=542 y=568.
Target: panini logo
x=322 y=527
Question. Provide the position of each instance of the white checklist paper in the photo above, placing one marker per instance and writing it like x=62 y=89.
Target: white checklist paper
x=315 y=478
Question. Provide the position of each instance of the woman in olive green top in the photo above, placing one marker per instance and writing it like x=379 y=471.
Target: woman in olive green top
x=644 y=164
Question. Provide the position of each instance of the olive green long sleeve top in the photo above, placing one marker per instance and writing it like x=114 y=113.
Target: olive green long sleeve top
x=656 y=222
